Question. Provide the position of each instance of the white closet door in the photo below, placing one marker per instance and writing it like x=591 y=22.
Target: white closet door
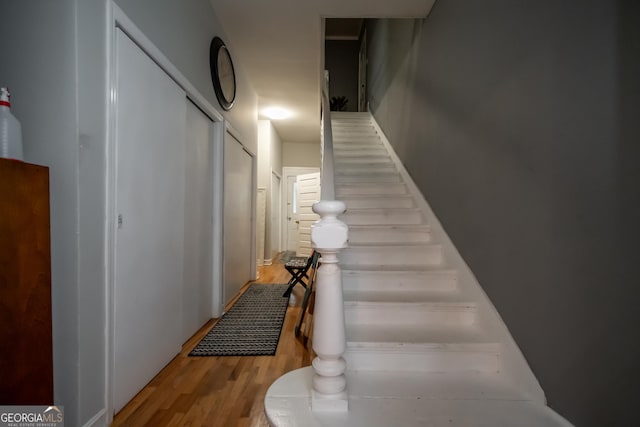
x=238 y=189
x=198 y=225
x=150 y=176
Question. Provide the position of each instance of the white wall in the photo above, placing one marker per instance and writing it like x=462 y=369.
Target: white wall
x=276 y=152
x=264 y=166
x=276 y=165
x=296 y=154
x=183 y=30
x=54 y=58
x=269 y=159
x=37 y=42
x=91 y=316
x=264 y=152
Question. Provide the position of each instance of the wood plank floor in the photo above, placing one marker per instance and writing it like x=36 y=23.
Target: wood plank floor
x=218 y=391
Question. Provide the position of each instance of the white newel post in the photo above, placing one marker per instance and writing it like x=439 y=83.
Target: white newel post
x=328 y=236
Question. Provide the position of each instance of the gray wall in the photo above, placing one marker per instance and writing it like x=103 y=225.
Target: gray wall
x=519 y=122
x=341 y=60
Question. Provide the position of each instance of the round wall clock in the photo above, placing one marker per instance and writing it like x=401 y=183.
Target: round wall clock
x=222 y=73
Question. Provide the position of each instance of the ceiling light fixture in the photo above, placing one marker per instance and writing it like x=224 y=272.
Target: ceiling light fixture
x=277 y=113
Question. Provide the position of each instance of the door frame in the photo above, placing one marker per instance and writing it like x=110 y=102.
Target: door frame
x=362 y=72
x=268 y=258
x=288 y=171
x=117 y=19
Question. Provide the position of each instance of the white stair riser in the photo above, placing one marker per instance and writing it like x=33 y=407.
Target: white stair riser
x=354 y=149
x=348 y=124
x=364 y=168
x=350 y=146
x=426 y=361
x=388 y=177
x=337 y=122
x=341 y=145
x=370 y=189
x=389 y=234
x=409 y=315
x=341 y=149
x=354 y=133
x=362 y=158
x=382 y=216
x=392 y=255
x=395 y=281
x=358 y=170
x=372 y=161
x=378 y=202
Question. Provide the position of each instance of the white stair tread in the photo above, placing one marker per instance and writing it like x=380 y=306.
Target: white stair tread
x=388 y=199
x=378 y=227
x=424 y=336
x=388 y=210
x=410 y=399
x=420 y=305
x=397 y=267
x=393 y=295
x=392 y=245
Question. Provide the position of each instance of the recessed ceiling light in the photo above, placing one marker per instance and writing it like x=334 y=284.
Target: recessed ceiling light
x=277 y=113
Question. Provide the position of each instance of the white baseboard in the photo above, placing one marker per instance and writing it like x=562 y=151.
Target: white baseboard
x=99 y=419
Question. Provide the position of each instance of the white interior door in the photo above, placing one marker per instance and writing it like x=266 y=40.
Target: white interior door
x=197 y=299
x=308 y=193
x=238 y=206
x=289 y=225
x=149 y=200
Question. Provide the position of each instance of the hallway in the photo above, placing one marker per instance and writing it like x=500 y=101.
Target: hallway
x=218 y=391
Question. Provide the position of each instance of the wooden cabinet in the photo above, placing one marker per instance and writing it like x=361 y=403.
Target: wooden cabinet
x=26 y=359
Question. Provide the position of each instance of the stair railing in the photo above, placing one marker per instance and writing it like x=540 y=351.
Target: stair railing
x=328 y=236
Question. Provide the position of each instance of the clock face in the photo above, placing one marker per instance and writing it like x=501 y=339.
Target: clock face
x=226 y=74
x=222 y=73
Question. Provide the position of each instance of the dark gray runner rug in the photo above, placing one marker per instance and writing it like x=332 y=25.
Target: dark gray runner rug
x=251 y=327
x=286 y=256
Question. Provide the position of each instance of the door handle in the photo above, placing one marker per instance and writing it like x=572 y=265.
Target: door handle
x=297 y=222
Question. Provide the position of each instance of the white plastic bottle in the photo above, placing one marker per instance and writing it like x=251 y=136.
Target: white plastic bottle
x=10 y=129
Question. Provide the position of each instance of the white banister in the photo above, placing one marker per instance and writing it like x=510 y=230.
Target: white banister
x=326 y=138
x=328 y=236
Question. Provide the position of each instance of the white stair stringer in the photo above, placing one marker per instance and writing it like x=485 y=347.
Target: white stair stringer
x=425 y=346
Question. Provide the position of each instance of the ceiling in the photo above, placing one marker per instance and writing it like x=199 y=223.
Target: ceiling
x=280 y=44
x=342 y=28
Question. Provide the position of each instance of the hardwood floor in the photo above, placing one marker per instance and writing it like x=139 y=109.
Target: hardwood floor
x=218 y=391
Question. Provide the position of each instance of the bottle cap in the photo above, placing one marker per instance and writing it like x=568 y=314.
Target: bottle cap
x=5 y=97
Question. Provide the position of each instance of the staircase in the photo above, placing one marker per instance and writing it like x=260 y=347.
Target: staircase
x=424 y=344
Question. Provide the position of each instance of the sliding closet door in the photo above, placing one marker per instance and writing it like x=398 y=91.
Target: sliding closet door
x=238 y=206
x=150 y=180
x=198 y=225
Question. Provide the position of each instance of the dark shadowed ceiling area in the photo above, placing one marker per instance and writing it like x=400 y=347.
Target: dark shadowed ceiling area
x=280 y=45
